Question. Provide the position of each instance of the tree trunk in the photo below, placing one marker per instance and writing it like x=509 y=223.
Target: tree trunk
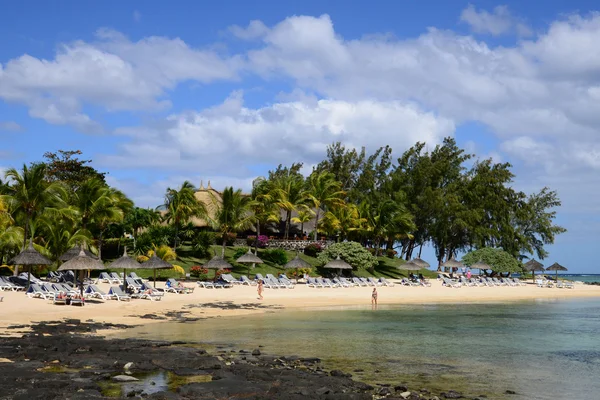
x=257 y=235
x=225 y=236
x=100 y=246
x=317 y=224
x=286 y=235
x=175 y=238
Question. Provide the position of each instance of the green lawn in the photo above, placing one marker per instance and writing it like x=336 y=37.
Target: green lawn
x=387 y=267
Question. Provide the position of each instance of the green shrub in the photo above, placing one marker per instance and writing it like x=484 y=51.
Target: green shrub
x=277 y=256
x=239 y=251
x=313 y=249
x=351 y=252
x=202 y=242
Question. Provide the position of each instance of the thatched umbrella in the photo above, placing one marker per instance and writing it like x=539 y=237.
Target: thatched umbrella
x=125 y=262
x=249 y=258
x=480 y=265
x=82 y=263
x=532 y=266
x=297 y=262
x=411 y=266
x=74 y=252
x=452 y=263
x=338 y=263
x=217 y=263
x=556 y=267
x=421 y=263
x=29 y=257
x=155 y=263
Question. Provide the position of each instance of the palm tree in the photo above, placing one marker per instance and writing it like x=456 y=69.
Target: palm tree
x=324 y=192
x=140 y=218
x=11 y=236
x=344 y=220
x=98 y=206
x=289 y=193
x=29 y=194
x=386 y=220
x=263 y=206
x=303 y=215
x=60 y=235
x=181 y=205
x=232 y=214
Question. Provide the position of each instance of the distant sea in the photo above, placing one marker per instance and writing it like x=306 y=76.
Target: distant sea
x=572 y=277
x=541 y=349
x=580 y=277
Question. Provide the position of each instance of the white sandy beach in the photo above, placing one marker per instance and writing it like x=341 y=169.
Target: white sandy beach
x=17 y=308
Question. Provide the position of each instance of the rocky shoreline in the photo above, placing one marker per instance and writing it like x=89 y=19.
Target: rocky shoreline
x=61 y=360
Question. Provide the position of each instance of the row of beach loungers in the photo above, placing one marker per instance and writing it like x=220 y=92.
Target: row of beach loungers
x=346 y=282
x=491 y=282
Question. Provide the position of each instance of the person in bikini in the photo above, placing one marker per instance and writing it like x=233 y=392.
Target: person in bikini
x=374 y=297
x=260 y=289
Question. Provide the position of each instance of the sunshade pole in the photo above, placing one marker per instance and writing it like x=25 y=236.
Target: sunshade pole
x=154 y=273
x=124 y=280
x=28 y=277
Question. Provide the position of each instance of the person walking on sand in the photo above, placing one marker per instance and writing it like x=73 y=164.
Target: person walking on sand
x=374 y=297
x=260 y=289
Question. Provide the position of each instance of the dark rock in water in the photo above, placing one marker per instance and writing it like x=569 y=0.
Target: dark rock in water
x=337 y=372
x=365 y=387
x=384 y=391
x=401 y=388
x=510 y=392
x=310 y=360
x=359 y=370
x=424 y=390
x=451 y=394
x=256 y=352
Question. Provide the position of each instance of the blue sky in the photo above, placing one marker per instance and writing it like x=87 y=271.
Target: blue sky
x=156 y=93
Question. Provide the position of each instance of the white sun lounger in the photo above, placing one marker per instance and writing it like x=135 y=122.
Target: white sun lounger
x=117 y=293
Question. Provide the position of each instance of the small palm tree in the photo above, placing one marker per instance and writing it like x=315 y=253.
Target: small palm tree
x=181 y=205
x=324 y=192
x=289 y=194
x=263 y=206
x=98 y=206
x=232 y=214
x=303 y=216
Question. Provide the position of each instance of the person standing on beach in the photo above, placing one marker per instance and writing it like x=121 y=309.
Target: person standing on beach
x=260 y=289
x=374 y=297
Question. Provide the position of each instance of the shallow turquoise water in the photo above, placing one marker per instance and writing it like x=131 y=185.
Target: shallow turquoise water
x=540 y=349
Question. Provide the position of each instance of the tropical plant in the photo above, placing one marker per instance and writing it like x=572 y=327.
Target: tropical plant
x=303 y=215
x=181 y=205
x=163 y=252
x=351 y=252
x=29 y=195
x=202 y=243
x=277 y=256
x=287 y=188
x=139 y=218
x=232 y=213
x=323 y=193
x=98 y=206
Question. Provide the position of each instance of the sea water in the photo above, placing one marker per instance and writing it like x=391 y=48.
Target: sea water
x=542 y=349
